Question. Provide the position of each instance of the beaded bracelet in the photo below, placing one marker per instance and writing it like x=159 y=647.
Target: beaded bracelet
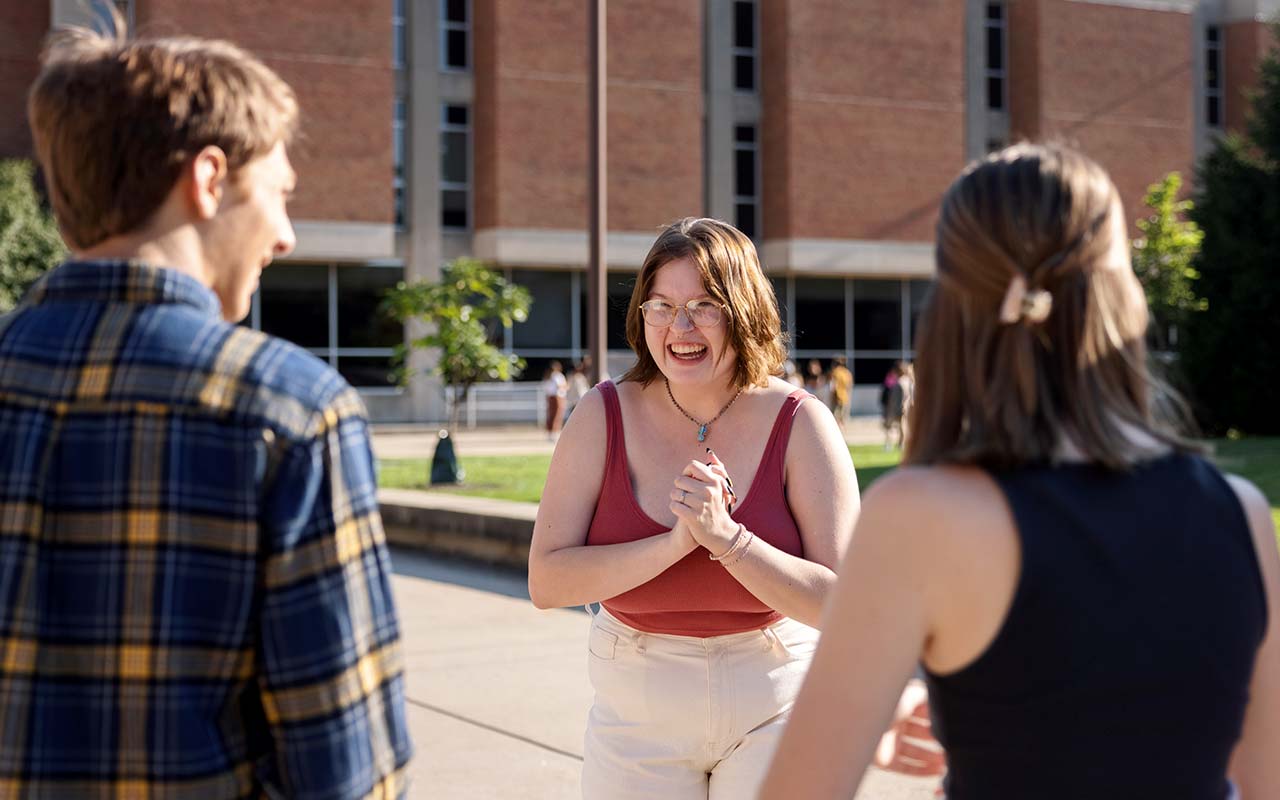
x=741 y=541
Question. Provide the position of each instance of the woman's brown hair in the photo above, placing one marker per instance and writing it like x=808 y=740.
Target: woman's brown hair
x=730 y=270
x=1004 y=383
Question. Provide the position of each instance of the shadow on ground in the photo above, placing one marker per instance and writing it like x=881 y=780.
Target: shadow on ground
x=459 y=572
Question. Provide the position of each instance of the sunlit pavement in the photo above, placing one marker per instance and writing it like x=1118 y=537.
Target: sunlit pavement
x=498 y=690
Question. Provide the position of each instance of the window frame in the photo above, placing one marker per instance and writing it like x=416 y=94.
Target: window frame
x=752 y=52
x=455 y=186
x=399 y=35
x=1211 y=93
x=988 y=73
x=446 y=26
x=753 y=200
x=332 y=353
x=400 y=161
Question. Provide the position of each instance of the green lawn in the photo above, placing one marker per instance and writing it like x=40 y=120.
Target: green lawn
x=521 y=477
x=503 y=477
x=1259 y=461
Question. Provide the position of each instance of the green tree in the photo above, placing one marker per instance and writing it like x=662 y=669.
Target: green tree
x=29 y=242
x=1231 y=350
x=1163 y=257
x=464 y=313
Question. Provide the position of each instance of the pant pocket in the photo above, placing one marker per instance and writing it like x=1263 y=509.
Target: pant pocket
x=602 y=644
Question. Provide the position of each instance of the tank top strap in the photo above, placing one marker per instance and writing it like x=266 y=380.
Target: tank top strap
x=615 y=463
x=775 y=451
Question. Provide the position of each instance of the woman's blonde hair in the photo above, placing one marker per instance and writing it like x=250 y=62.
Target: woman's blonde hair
x=1003 y=383
x=730 y=270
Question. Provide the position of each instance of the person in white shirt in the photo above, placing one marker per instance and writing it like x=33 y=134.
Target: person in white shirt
x=555 y=388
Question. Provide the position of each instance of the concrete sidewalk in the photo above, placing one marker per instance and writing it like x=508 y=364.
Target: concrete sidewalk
x=419 y=440
x=498 y=691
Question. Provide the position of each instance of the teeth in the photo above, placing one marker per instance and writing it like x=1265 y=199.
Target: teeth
x=687 y=349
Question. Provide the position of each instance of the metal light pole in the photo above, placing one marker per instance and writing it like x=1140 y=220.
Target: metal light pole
x=597 y=194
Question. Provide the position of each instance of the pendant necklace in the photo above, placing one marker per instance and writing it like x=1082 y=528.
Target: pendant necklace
x=703 y=427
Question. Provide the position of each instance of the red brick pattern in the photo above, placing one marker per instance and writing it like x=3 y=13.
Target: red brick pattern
x=337 y=56
x=1024 y=69
x=1245 y=43
x=863 y=125
x=22 y=29
x=864 y=116
x=531 y=113
x=1133 y=113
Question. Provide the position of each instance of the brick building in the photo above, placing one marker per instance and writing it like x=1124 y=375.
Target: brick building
x=440 y=128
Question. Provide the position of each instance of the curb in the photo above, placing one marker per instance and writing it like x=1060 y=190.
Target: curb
x=478 y=529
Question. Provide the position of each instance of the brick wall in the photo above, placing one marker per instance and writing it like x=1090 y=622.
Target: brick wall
x=1024 y=69
x=1115 y=82
x=1245 y=44
x=337 y=56
x=22 y=29
x=864 y=117
x=531 y=113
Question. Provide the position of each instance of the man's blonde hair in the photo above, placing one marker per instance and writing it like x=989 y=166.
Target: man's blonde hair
x=114 y=121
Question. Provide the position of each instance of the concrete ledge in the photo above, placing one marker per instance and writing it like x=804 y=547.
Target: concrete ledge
x=854 y=257
x=477 y=528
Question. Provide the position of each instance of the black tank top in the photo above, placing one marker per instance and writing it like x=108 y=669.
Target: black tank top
x=1122 y=669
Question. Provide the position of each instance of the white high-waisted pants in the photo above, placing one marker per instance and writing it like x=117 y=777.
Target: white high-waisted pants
x=679 y=717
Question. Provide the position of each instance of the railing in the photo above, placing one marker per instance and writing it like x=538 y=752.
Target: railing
x=505 y=402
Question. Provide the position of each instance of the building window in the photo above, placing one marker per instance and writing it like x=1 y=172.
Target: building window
x=455 y=167
x=877 y=315
x=398 y=122
x=746 y=46
x=455 y=35
x=550 y=323
x=333 y=312
x=919 y=291
x=820 y=314
x=746 y=180
x=997 y=47
x=399 y=35
x=619 y=286
x=1213 y=110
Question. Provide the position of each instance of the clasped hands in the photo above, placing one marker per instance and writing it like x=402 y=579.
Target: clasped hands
x=702 y=499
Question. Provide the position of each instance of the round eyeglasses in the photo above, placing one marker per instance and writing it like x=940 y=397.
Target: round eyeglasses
x=703 y=313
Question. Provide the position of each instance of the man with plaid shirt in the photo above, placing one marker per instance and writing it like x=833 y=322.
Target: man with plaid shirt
x=195 y=594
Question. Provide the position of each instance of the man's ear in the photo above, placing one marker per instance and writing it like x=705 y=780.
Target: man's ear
x=208 y=178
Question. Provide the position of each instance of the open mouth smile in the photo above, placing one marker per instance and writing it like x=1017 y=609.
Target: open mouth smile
x=688 y=352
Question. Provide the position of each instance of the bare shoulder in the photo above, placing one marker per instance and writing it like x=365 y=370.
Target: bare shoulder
x=626 y=390
x=945 y=507
x=813 y=429
x=584 y=432
x=1251 y=497
x=954 y=482
x=1258 y=513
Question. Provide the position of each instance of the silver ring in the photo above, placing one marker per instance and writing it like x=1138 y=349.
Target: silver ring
x=683 y=493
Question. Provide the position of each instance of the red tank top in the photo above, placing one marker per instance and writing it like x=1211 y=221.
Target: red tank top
x=695 y=596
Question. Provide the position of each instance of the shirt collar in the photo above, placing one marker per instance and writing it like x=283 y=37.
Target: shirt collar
x=120 y=281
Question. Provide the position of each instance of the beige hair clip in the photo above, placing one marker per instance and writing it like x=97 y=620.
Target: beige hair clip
x=1020 y=303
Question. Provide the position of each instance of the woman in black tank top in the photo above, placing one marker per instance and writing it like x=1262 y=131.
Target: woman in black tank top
x=1095 y=606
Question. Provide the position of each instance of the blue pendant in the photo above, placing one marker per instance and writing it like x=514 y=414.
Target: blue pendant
x=702 y=433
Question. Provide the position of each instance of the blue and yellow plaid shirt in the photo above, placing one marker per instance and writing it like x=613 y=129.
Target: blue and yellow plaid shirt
x=195 y=596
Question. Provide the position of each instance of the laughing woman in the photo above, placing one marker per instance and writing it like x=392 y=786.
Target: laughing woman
x=705 y=504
